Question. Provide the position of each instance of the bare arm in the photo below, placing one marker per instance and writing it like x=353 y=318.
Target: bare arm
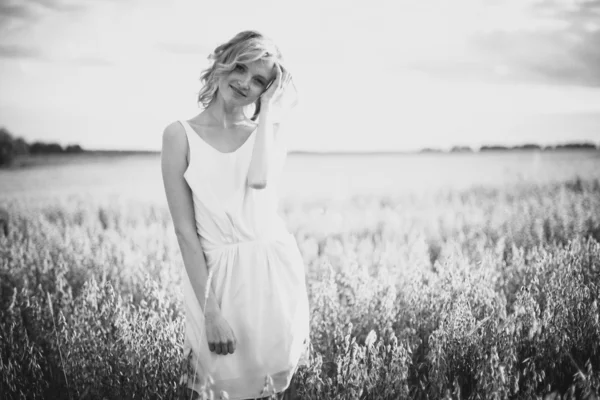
x=179 y=199
x=269 y=146
x=264 y=145
x=219 y=334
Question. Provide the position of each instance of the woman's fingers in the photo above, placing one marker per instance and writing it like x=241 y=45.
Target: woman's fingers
x=277 y=80
x=288 y=79
x=220 y=337
x=225 y=347
x=215 y=347
x=283 y=78
x=276 y=88
x=278 y=75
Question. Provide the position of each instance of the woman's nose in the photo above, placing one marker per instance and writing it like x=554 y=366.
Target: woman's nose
x=245 y=80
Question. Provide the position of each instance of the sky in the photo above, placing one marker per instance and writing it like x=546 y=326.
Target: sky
x=371 y=75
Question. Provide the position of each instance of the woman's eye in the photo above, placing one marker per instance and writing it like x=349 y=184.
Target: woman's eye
x=239 y=67
x=260 y=82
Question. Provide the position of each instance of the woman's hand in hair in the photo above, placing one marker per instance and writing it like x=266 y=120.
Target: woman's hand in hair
x=277 y=87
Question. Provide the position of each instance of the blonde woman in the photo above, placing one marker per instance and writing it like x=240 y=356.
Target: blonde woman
x=244 y=287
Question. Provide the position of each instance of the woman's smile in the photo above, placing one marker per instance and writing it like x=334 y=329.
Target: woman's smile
x=237 y=91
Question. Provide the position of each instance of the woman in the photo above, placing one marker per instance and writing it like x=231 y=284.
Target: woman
x=244 y=289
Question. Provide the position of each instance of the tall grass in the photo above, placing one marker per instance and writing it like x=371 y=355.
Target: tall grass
x=480 y=293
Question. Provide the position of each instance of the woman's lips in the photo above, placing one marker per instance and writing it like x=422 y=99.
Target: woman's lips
x=237 y=91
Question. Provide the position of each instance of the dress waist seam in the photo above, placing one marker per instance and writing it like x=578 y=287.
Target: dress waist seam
x=224 y=246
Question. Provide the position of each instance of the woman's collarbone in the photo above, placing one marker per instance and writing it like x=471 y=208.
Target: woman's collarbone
x=226 y=140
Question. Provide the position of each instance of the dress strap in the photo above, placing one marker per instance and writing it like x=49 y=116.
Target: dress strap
x=189 y=133
x=187 y=128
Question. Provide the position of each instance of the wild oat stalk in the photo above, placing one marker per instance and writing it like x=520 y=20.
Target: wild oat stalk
x=58 y=343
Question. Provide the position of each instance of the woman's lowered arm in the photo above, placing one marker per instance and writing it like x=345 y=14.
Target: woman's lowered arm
x=179 y=199
x=219 y=335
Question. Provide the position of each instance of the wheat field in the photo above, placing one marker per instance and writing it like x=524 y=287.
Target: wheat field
x=488 y=291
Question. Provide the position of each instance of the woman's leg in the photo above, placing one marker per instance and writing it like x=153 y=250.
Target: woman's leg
x=190 y=394
x=288 y=394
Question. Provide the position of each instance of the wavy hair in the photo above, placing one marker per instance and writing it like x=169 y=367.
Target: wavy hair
x=245 y=47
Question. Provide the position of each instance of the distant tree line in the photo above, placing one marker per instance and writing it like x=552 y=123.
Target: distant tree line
x=11 y=147
x=532 y=146
x=528 y=146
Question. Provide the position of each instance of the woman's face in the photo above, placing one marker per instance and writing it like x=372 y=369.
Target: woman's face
x=245 y=84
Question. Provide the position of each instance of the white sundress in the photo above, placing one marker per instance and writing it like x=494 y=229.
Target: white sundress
x=256 y=272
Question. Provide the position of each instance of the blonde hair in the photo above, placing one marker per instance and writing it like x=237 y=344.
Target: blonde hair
x=245 y=47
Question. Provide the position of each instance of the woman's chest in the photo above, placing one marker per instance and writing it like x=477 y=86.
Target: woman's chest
x=225 y=140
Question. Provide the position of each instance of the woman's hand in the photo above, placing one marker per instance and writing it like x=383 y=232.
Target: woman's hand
x=275 y=90
x=219 y=334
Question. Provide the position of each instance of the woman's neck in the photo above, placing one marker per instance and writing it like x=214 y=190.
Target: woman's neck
x=225 y=115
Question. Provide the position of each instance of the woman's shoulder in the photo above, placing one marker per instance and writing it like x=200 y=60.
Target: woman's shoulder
x=175 y=128
x=174 y=132
x=174 y=137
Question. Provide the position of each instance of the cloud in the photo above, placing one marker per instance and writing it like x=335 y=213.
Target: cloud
x=560 y=57
x=184 y=48
x=551 y=42
x=22 y=52
x=58 y=5
x=25 y=13
x=14 y=51
x=14 y=16
x=18 y=18
x=565 y=50
x=575 y=11
x=14 y=11
x=91 y=61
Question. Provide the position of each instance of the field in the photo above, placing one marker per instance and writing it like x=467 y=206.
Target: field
x=445 y=277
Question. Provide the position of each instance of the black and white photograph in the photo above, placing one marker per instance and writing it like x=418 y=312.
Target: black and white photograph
x=300 y=200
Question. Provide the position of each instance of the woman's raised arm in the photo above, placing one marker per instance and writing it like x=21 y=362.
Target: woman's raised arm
x=270 y=146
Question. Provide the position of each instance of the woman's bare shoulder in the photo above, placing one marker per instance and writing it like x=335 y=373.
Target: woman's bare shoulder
x=174 y=141
x=173 y=130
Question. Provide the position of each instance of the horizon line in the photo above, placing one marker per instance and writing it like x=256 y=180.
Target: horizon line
x=483 y=149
